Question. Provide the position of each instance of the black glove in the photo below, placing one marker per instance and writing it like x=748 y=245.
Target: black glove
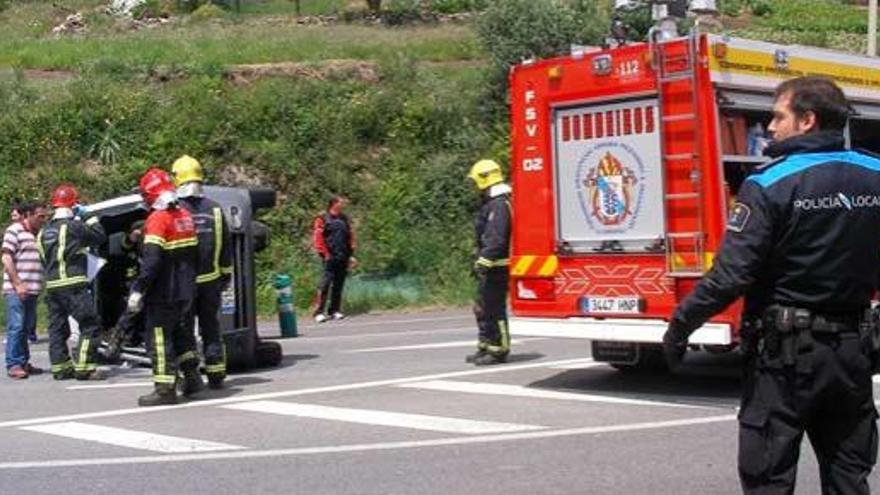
x=675 y=342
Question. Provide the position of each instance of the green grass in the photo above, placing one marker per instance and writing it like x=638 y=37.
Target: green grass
x=240 y=43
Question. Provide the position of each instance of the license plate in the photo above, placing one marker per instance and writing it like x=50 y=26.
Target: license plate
x=612 y=305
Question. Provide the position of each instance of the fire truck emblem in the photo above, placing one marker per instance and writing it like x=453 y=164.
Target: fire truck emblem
x=609 y=186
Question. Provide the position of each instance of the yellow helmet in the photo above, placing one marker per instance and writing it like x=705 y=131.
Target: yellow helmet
x=187 y=169
x=486 y=173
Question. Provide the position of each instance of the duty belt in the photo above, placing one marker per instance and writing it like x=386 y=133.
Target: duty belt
x=782 y=325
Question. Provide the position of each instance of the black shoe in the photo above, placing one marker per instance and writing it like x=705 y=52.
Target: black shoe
x=215 y=382
x=192 y=382
x=67 y=374
x=93 y=375
x=163 y=395
x=471 y=358
x=490 y=359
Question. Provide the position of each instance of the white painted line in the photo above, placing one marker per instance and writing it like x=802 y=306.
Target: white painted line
x=354 y=322
x=533 y=393
x=440 y=345
x=382 y=418
x=582 y=365
x=370 y=447
x=130 y=438
x=508 y=368
x=404 y=333
x=111 y=385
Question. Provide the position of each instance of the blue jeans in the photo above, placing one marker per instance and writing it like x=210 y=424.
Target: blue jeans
x=20 y=316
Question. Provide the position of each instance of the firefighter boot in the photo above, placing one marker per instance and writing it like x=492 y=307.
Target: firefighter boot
x=472 y=358
x=66 y=374
x=215 y=380
x=163 y=395
x=192 y=382
x=490 y=359
x=91 y=375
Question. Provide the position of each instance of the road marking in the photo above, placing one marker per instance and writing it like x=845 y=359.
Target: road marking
x=392 y=334
x=520 y=391
x=343 y=449
x=439 y=345
x=285 y=393
x=111 y=385
x=344 y=323
x=382 y=418
x=582 y=365
x=130 y=438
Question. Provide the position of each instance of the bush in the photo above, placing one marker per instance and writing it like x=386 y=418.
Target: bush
x=207 y=12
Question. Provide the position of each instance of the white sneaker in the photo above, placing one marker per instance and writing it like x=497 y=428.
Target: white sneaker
x=320 y=318
x=338 y=316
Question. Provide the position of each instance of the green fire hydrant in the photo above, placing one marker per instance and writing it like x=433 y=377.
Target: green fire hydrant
x=286 y=314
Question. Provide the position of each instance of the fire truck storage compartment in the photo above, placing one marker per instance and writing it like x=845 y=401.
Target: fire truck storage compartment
x=608 y=177
x=738 y=114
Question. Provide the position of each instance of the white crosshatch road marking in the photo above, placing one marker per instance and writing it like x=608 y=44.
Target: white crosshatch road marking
x=528 y=392
x=130 y=438
x=382 y=418
x=439 y=345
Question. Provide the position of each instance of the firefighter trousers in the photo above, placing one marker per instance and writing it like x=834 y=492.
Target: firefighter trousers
x=75 y=302
x=170 y=344
x=828 y=394
x=490 y=310
x=332 y=283
x=206 y=308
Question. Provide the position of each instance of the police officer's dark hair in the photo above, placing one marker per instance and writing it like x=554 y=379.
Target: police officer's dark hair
x=818 y=95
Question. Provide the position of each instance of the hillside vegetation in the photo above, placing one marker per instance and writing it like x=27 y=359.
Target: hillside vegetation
x=391 y=116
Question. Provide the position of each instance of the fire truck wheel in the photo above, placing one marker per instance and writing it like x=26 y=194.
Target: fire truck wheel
x=650 y=360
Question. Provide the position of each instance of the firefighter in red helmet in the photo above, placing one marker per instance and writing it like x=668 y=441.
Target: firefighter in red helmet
x=164 y=289
x=62 y=244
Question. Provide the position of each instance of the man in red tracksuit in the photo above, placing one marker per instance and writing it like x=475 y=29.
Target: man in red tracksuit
x=334 y=241
x=165 y=287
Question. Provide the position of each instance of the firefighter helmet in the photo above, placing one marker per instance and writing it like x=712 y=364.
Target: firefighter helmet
x=187 y=169
x=64 y=196
x=486 y=173
x=155 y=182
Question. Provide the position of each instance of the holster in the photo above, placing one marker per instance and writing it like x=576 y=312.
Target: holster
x=782 y=327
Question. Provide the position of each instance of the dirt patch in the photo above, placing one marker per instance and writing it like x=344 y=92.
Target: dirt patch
x=330 y=69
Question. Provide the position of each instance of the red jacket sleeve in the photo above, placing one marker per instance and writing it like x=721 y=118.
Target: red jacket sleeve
x=318 y=238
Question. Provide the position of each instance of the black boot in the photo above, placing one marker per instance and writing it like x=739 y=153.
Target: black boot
x=93 y=375
x=67 y=374
x=192 y=382
x=472 y=358
x=163 y=395
x=215 y=380
x=490 y=359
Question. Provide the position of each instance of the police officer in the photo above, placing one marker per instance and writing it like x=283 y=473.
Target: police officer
x=803 y=246
x=215 y=263
x=63 y=243
x=164 y=289
x=493 y=250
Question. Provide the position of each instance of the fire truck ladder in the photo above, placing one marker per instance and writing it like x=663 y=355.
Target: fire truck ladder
x=675 y=66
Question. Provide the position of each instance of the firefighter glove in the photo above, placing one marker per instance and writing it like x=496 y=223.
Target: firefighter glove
x=675 y=342
x=135 y=302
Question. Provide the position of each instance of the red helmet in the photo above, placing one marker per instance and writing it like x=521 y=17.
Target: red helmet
x=64 y=196
x=155 y=182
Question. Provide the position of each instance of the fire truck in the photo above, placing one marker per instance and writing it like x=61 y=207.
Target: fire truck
x=625 y=162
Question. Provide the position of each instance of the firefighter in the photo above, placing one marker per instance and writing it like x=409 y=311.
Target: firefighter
x=493 y=250
x=63 y=243
x=802 y=246
x=215 y=264
x=164 y=289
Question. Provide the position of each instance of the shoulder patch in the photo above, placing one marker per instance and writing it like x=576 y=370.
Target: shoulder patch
x=739 y=217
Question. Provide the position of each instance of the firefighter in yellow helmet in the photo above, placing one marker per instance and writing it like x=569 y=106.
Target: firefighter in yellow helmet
x=215 y=264
x=493 y=250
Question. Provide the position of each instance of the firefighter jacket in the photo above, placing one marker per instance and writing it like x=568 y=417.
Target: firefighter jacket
x=63 y=244
x=493 y=228
x=804 y=232
x=333 y=237
x=169 y=257
x=215 y=249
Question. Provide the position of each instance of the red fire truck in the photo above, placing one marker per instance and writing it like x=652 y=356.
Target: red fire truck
x=624 y=163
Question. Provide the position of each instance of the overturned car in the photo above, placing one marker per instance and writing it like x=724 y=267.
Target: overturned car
x=238 y=320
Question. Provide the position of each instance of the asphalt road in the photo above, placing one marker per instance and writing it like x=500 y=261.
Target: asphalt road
x=386 y=405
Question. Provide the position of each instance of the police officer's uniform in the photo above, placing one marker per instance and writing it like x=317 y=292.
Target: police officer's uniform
x=63 y=244
x=803 y=246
